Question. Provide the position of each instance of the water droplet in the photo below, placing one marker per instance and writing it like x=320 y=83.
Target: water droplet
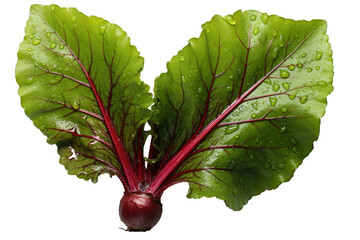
x=307 y=108
x=29 y=49
x=293 y=96
x=286 y=85
x=276 y=87
x=303 y=55
x=61 y=47
x=322 y=83
x=253 y=17
x=228 y=89
x=36 y=42
x=293 y=149
x=291 y=67
x=31 y=36
x=273 y=167
x=253 y=116
x=102 y=29
x=255 y=106
x=183 y=79
x=48 y=35
x=75 y=105
x=182 y=58
x=66 y=69
x=231 y=77
x=73 y=18
x=284 y=74
x=293 y=141
x=230 y=20
x=231 y=128
x=284 y=110
x=256 y=31
x=199 y=90
x=273 y=101
x=304 y=99
x=52 y=45
x=264 y=17
x=299 y=65
x=281 y=166
x=283 y=129
x=309 y=70
x=274 y=34
x=267 y=81
x=45 y=29
x=281 y=43
x=53 y=81
x=317 y=68
x=318 y=55
x=52 y=7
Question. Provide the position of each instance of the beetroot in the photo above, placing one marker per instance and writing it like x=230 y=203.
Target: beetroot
x=140 y=211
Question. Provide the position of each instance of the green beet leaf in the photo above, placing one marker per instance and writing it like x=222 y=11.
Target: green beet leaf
x=244 y=101
x=79 y=83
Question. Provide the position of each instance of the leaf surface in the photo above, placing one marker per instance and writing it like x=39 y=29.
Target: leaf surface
x=239 y=107
x=79 y=82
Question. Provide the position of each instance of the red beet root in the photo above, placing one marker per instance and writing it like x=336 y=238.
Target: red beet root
x=140 y=211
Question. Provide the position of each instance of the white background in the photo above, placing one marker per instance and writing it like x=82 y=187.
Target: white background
x=38 y=200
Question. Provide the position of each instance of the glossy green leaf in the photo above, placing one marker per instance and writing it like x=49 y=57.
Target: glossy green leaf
x=79 y=83
x=239 y=107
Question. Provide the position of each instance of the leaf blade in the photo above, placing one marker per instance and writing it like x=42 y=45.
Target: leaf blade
x=258 y=87
x=65 y=75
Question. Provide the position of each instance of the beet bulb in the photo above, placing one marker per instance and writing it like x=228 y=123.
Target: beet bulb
x=140 y=211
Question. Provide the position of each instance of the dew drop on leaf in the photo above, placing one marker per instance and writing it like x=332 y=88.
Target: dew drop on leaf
x=231 y=128
x=264 y=17
x=309 y=70
x=291 y=67
x=52 y=45
x=29 y=49
x=273 y=101
x=36 y=42
x=267 y=81
x=276 y=87
x=253 y=116
x=73 y=18
x=52 y=7
x=253 y=17
x=61 y=47
x=293 y=141
x=286 y=85
x=283 y=129
x=317 y=68
x=182 y=58
x=48 y=35
x=292 y=96
x=102 y=29
x=31 y=36
x=318 y=55
x=299 y=65
x=284 y=74
x=75 y=105
x=303 y=55
x=229 y=19
x=284 y=110
x=304 y=99
x=256 y=31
